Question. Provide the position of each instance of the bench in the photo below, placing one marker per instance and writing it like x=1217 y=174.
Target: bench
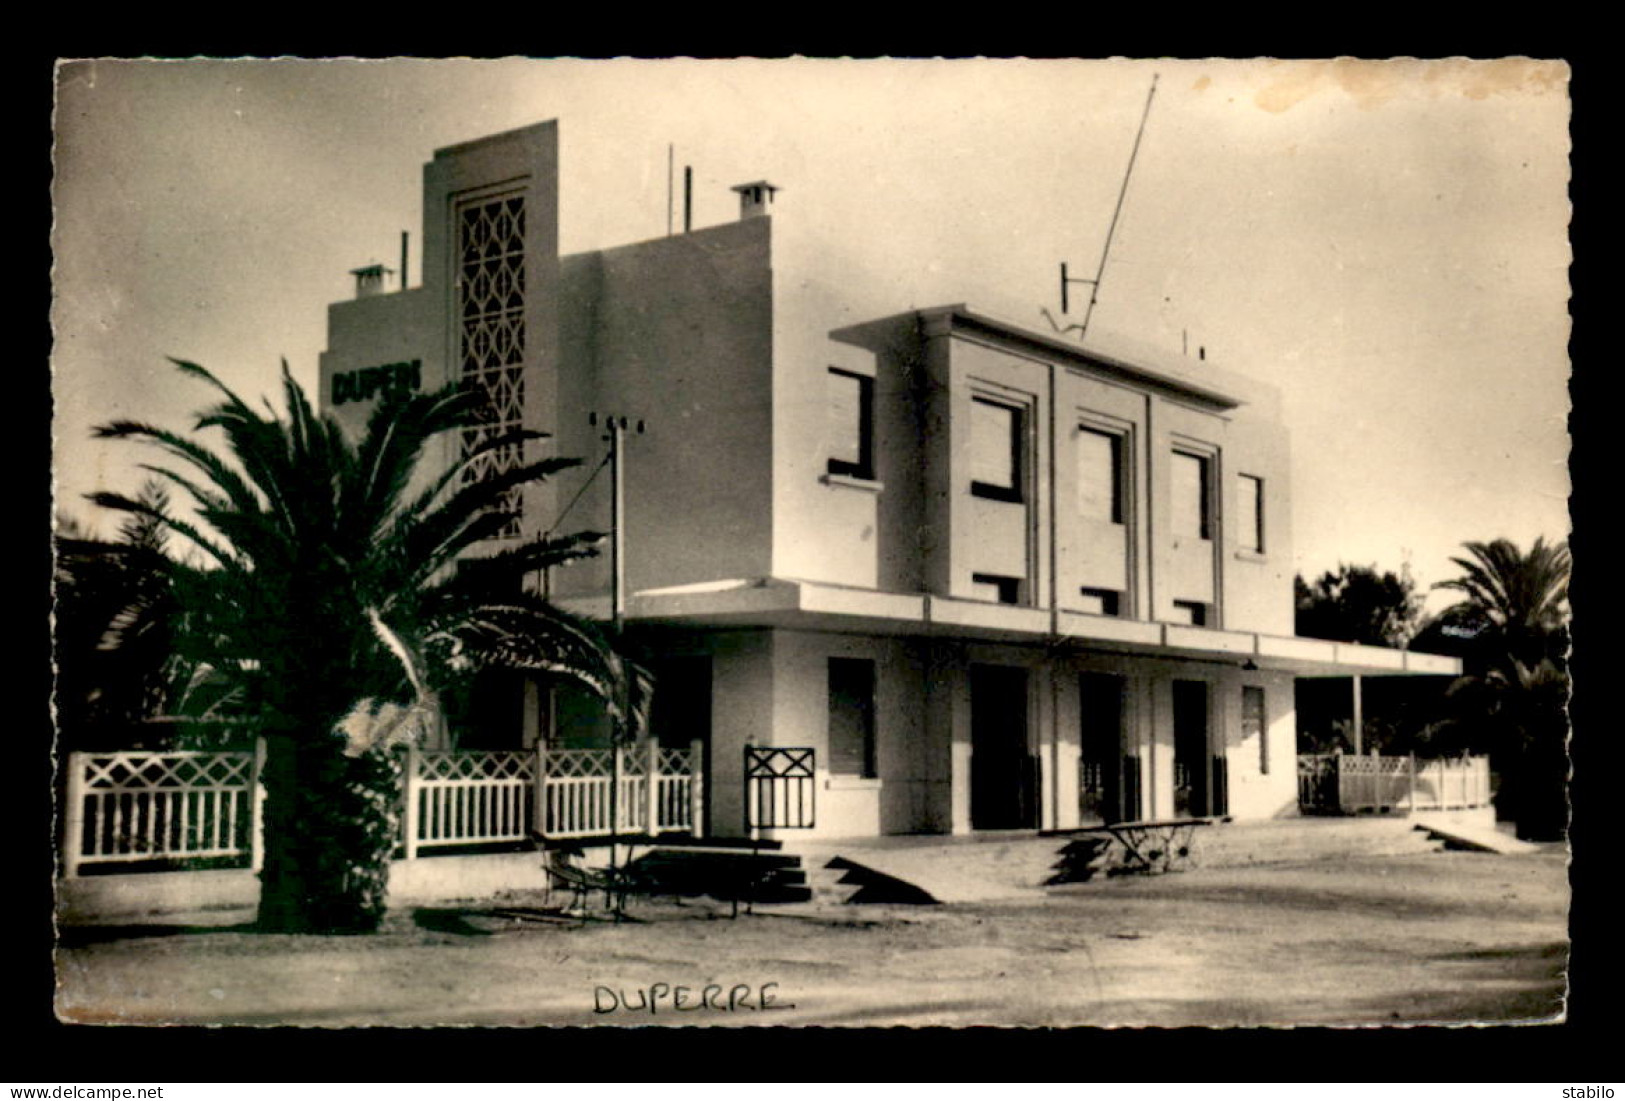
x=675 y=866
x=1148 y=847
x=562 y=862
x=723 y=873
x=565 y=874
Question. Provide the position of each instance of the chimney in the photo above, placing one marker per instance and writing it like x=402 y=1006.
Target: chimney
x=755 y=199
x=370 y=280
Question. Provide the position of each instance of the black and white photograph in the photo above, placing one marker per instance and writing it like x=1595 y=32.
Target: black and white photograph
x=1040 y=543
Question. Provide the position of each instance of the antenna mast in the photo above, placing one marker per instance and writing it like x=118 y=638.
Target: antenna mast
x=1094 y=284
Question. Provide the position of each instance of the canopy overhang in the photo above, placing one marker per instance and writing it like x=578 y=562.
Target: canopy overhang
x=803 y=605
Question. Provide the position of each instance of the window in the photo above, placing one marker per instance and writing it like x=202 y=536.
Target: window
x=1193 y=612
x=1191 y=499
x=852 y=717
x=1252 y=724
x=995 y=450
x=990 y=586
x=1250 y=518
x=1101 y=601
x=1100 y=475
x=851 y=424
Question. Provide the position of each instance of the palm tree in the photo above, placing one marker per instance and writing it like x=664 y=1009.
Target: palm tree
x=331 y=609
x=1520 y=600
x=1516 y=683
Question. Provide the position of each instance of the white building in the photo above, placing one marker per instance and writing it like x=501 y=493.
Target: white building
x=994 y=578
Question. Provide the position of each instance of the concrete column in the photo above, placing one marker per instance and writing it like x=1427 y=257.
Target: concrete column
x=409 y=796
x=1065 y=758
x=696 y=790
x=651 y=809
x=256 y=809
x=538 y=808
x=1160 y=759
x=1359 y=735
x=72 y=833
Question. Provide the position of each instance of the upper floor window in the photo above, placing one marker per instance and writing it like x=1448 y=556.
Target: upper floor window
x=851 y=424
x=1192 y=612
x=1100 y=475
x=996 y=587
x=1192 y=495
x=1250 y=513
x=1101 y=601
x=996 y=433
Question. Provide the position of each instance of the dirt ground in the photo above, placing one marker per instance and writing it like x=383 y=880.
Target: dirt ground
x=1446 y=937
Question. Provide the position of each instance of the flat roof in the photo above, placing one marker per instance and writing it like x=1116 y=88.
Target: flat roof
x=1115 y=354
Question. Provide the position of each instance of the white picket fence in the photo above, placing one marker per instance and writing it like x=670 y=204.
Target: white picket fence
x=130 y=808
x=1456 y=784
x=1352 y=784
x=579 y=781
x=133 y=806
x=467 y=798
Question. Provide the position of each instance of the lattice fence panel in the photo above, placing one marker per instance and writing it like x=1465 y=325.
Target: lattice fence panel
x=472 y=797
x=676 y=762
x=129 y=806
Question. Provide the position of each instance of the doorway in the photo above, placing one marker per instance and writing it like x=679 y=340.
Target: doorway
x=681 y=714
x=1193 y=788
x=1004 y=770
x=1103 y=768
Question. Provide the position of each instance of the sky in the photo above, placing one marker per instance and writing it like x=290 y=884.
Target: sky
x=1384 y=242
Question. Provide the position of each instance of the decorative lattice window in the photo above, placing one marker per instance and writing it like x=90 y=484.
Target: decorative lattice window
x=491 y=305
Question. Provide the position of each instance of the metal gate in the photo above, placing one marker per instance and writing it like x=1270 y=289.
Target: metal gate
x=780 y=789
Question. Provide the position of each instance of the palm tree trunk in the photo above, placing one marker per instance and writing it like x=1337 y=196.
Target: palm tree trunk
x=331 y=826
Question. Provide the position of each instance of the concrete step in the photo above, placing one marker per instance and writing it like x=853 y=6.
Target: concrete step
x=829 y=881
x=970 y=869
x=929 y=869
x=1462 y=833
x=1307 y=840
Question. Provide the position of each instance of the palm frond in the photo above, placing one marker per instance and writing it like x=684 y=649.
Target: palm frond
x=445 y=531
x=230 y=483
x=504 y=571
x=120 y=503
x=325 y=557
x=457 y=471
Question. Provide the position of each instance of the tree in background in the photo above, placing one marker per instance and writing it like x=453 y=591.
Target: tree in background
x=330 y=609
x=113 y=616
x=1358 y=604
x=1362 y=605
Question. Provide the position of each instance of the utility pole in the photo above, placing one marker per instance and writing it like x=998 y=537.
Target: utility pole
x=615 y=436
x=617 y=504
x=615 y=429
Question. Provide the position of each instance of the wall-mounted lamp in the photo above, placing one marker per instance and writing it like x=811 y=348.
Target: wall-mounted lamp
x=1250 y=665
